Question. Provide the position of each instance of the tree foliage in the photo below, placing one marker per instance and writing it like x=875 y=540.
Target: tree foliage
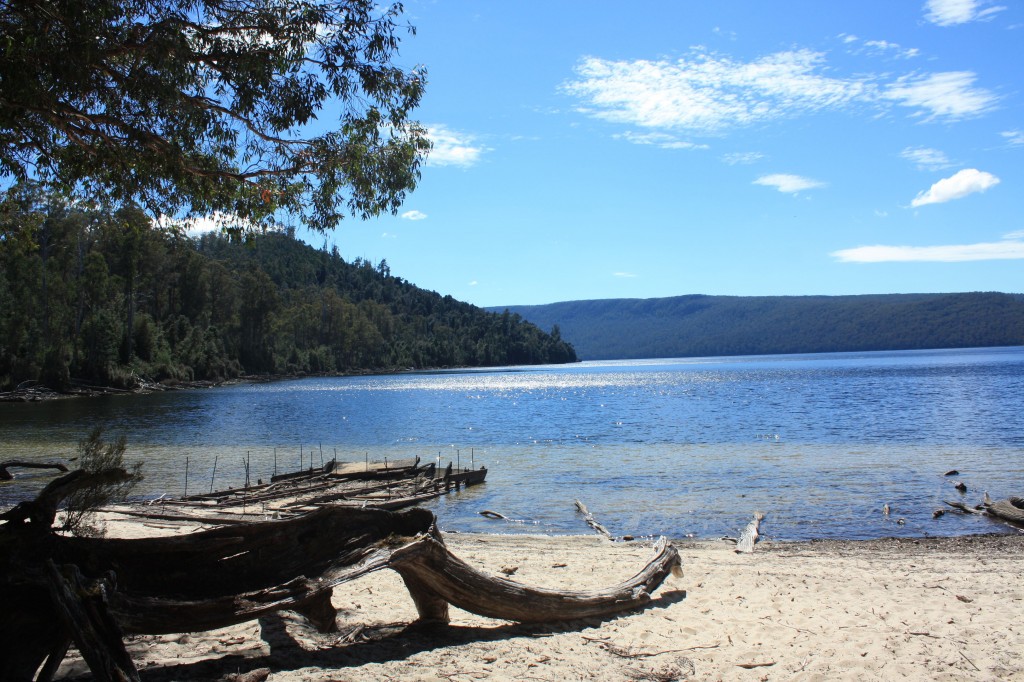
x=96 y=456
x=200 y=107
x=107 y=298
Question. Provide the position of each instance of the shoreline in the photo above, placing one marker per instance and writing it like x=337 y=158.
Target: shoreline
x=921 y=608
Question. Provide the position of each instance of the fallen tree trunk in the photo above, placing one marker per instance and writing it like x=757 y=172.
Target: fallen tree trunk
x=234 y=574
x=428 y=563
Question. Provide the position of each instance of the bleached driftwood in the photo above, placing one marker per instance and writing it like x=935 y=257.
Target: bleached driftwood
x=591 y=521
x=750 y=535
x=92 y=590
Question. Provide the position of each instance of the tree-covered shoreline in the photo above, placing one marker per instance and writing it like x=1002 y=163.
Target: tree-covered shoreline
x=108 y=299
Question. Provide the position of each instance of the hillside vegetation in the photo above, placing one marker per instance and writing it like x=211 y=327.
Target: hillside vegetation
x=109 y=299
x=696 y=325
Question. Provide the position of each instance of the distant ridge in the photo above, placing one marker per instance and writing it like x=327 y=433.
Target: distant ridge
x=698 y=325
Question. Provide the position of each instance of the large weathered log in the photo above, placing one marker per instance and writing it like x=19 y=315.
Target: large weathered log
x=1011 y=510
x=429 y=564
x=234 y=574
x=85 y=617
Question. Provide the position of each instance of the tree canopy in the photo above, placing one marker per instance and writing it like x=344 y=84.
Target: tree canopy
x=209 y=107
x=107 y=298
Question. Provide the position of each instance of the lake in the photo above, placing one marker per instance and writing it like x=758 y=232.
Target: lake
x=684 y=447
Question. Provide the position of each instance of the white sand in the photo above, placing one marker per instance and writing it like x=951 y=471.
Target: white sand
x=931 y=609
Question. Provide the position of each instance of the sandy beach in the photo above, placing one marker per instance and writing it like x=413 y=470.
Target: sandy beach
x=936 y=608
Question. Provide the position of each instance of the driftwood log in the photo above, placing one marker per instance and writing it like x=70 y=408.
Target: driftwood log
x=750 y=535
x=1010 y=511
x=92 y=591
x=6 y=475
x=591 y=521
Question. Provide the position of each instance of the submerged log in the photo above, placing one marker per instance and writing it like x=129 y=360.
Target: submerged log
x=6 y=475
x=1010 y=510
x=230 y=575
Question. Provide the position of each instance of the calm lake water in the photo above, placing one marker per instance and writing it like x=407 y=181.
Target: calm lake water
x=687 y=447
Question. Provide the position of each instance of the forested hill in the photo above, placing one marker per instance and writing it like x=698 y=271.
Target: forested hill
x=108 y=299
x=694 y=326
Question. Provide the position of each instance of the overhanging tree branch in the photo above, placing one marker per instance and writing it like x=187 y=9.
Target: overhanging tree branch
x=204 y=104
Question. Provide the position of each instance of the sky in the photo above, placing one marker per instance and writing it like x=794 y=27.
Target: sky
x=600 y=149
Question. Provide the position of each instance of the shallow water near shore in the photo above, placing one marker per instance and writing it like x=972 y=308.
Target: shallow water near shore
x=686 y=447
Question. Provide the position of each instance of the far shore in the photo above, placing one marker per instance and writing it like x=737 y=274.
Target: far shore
x=919 y=609
x=33 y=391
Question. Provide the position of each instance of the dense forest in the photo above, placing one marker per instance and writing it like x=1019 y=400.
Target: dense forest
x=108 y=298
x=694 y=326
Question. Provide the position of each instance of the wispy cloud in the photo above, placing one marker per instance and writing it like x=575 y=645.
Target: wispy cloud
x=742 y=158
x=884 y=47
x=950 y=95
x=414 y=215
x=957 y=186
x=452 y=148
x=663 y=140
x=1011 y=247
x=952 y=12
x=788 y=183
x=1014 y=138
x=706 y=93
x=623 y=274
x=926 y=158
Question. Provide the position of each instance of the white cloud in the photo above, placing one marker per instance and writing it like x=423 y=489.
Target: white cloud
x=452 y=148
x=952 y=12
x=706 y=93
x=663 y=140
x=948 y=95
x=954 y=253
x=200 y=225
x=1019 y=234
x=926 y=158
x=473 y=283
x=414 y=215
x=885 y=47
x=1013 y=138
x=744 y=158
x=788 y=183
x=957 y=186
x=623 y=274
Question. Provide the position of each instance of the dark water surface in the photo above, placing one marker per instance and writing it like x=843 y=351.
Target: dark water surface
x=679 y=447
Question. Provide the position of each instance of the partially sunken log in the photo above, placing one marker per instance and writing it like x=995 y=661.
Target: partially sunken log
x=1010 y=511
x=56 y=589
x=6 y=475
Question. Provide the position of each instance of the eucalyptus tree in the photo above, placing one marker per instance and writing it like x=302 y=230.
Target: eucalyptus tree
x=255 y=110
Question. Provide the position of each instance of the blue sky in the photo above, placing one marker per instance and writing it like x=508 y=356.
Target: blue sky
x=600 y=149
